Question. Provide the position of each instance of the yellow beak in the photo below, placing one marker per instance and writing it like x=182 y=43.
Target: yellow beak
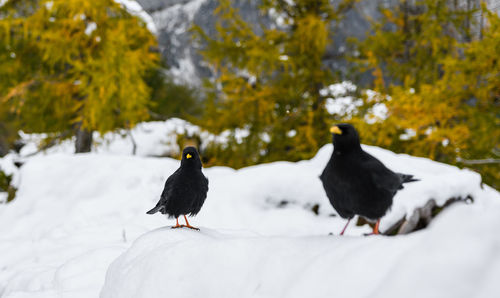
x=335 y=130
x=188 y=156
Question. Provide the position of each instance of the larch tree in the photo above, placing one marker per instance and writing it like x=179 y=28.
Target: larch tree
x=436 y=84
x=74 y=66
x=268 y=81
x=476 y=81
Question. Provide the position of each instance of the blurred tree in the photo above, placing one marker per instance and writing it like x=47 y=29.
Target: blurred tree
x=8 y=130
x=170 y=98
x=74 y=65
x=437 y=87
x=477 y=82
x=6 y=186
x=268 y=83
x=410 y=41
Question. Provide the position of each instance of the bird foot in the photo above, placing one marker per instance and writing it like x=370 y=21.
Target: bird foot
x=177 y=226
x=191 y=227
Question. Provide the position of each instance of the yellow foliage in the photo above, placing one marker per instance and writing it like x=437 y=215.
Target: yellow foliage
x=443 y=92
x=86 y=59
x=270 y=83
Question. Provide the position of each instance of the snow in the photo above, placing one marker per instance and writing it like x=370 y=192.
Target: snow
x=283 y=57
x=454 y=258
x=339 y=101
x=49 y=5
x=91 y=27
x=292 y=133
x=408 y=134
x=157 y=138
x=75 y=215
x=135 y=9
x=178 y=19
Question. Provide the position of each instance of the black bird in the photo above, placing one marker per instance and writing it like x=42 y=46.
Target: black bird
x=185 y=190
x=357 y=183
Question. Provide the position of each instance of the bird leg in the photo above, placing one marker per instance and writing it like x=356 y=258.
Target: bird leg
x=177 y=225
x=188 y=225
x=345 y=227
x=375 y=229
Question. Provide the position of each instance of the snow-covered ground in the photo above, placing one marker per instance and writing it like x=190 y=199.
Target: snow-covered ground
x=74 y=216
x=156 y=138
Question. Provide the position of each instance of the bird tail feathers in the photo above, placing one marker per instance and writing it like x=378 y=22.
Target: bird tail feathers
x=156 y=209
x=408 y=178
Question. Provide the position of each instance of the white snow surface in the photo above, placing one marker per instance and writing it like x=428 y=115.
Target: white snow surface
x=78 y=228
x=156 y=138
x=178 y=19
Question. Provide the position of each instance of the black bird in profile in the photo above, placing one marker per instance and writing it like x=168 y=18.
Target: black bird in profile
x=185 y=190
x=357 y=183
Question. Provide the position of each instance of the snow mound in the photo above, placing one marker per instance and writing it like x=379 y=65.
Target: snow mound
x=457 y=256
x=264 y=229
x=155 y=138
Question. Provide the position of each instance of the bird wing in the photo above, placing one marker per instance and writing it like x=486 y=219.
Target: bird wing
x=165 y=194
x=167 y=190
x=382 y=177
x=206 y=179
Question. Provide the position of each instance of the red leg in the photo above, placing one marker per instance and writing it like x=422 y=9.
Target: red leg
x=177 y=225
x=188 y=225
x=375 y=229
x=345 y=227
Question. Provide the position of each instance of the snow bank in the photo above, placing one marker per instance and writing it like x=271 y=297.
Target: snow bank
x=74 y=215
x=156 y=138
x=457 y=257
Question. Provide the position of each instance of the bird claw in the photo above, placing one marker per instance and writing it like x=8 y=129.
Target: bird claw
x=185 y=226
x=191 y=227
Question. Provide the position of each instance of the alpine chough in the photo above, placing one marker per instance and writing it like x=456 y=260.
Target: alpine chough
x=185 y=190
x=357 y=183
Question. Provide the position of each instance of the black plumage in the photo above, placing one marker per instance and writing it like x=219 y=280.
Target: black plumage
x=356 y=183
x=185 y=190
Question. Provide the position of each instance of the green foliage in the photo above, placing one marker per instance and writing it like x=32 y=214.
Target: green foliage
x=411 y=40
x=171 y=99
x=442 y=88
x=7 y=130
x=6 y=185
x=269 y=83
x=68 y=63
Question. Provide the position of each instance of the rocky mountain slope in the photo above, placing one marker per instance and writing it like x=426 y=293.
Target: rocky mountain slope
x=173 y=19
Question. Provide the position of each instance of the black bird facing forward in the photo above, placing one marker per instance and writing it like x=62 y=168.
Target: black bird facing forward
x=357 y=183
x=185 y=190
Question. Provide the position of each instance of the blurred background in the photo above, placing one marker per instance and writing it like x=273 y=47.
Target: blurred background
x=420 y=77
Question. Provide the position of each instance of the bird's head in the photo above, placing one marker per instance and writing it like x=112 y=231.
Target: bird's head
x=190 y=157
x=345 y=137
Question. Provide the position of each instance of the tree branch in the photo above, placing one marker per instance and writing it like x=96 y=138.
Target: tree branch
x=478 y=161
